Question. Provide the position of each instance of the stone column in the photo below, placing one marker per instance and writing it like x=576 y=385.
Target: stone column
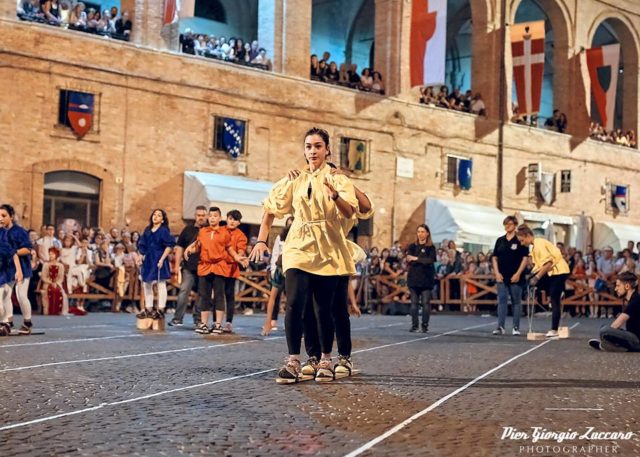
x=8 y=9
x=148 y=30
x=296 y=37
x=392 y=31
x=270 y=30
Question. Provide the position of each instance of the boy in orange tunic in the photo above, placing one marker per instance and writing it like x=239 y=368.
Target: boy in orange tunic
x=214 y=244
x=231 y=267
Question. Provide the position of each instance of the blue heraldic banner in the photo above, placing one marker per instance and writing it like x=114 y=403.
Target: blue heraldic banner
x=465 y=168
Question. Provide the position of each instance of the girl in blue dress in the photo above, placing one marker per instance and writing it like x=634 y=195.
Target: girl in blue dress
x=155 y=245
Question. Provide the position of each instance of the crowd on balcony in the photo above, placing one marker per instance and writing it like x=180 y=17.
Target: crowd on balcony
x=328 y=71
x=617 y=136
x=456 y=100
x=234 y=50
x=74 y=15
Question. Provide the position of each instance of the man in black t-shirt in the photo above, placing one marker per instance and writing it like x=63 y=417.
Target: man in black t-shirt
x=509 y=261
x=189 y=267
x=614 y=338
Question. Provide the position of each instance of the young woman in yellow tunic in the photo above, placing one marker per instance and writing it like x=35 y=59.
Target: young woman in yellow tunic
x=315 y=253
x=550 y=266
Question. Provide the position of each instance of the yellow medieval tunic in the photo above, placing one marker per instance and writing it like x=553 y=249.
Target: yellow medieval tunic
x=316 y=242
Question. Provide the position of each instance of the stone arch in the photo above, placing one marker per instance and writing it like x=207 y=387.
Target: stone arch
x=360 y=38
x=627 y=35
x=109 y=189
x=559 y=19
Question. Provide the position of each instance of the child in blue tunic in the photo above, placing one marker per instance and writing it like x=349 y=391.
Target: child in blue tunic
x=10 y=271
x=18 y=239
x=155 y=245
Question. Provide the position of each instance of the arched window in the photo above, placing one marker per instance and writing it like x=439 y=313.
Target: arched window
x=611 y=31
x=459 y=45
x=211 y=9
x=71 y=199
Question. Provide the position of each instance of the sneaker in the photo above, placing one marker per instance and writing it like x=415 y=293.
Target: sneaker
x=175 y=323
x=290 y=372
x=5 y=329
x=414 y=330
x=157 y=315
x=515 y=331
x=552 y=334
x=595 y=344
x=202 y=329
x=144 y=314
x=425 y=328
x=499 y=331
x=344 y=367
x=216 y=329
x=310 y=367
x=10 y=325
x=440 y=308
x=228 y=328
x=248 y=312
x=26 y=328
x=325 y=371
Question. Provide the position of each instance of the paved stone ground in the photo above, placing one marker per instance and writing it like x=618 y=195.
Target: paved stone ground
x=87 y=388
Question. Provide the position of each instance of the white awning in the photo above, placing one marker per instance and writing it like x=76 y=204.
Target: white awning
x=544 y=217
x=464 y=222
x=227 y=193
x=614 y=235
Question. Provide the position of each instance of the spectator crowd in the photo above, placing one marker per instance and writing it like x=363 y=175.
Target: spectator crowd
x=74 y=15
x=327 y=71
x=617 y=136
x=467 y=102
x=234 y=50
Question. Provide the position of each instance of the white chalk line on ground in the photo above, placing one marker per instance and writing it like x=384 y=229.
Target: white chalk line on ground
x=44 y=343
x=218 y=381
x=365 y=447
x=168 y=351
x=130 y=356
x=574 y=409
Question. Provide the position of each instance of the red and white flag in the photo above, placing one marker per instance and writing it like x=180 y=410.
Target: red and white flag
x=527 y=51
x=428 y=42
x=605 y=98
x=171 y=12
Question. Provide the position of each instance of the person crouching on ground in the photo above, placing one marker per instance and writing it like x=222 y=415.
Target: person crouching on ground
x=614 y=338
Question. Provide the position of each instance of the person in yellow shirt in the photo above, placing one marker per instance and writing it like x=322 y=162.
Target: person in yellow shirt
x=315 y=254
x=549 y=266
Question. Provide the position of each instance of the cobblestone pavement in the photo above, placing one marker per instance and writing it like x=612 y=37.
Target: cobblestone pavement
x=96 y=386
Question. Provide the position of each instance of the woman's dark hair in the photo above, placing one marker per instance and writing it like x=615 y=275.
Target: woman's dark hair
x=9 y=209
x=165 y=221
x=524 y=230
x=426 y=227
x=322 y=133
x=512 y=219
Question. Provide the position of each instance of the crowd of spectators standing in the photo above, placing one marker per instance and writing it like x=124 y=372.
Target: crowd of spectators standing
x=594 y=268
x=617 y=136
x=111 y=260
x=456 y=100
x=327 y=71
x=234 y=50
x=74 y=15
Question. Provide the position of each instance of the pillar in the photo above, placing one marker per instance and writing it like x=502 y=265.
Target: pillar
x=392 y=44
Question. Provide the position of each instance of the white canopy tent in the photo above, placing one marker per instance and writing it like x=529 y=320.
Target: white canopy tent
x=464 y=222
x=227 y=193
x=614 y=235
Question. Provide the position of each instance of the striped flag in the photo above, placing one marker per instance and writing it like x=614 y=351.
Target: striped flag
x=527 y=50
x=171 y=12
x=603 y=65
x=428 y=42
x=619 y=195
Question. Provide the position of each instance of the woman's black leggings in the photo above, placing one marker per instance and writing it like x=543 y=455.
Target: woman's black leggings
x=340 y=313
x=555 y=287
x=307 y=292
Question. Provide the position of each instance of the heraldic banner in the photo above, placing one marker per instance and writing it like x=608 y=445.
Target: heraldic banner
x=527 y=50
x=603 y=66
x=428 y=42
